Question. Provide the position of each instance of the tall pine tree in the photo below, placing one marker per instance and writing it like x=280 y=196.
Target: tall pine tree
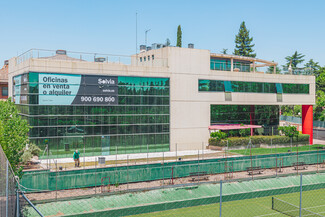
x=179 y=36
x=244 y=46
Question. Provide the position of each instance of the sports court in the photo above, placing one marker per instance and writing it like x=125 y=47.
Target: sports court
x=252 y=198
x=313 y=201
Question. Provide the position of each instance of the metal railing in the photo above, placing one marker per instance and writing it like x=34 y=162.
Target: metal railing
x=297 y=71
x=13 y=202
x=242 y=67
x=297 y=120
x=88 y=57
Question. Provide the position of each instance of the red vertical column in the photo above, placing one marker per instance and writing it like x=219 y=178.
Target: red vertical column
x=252 y=117
x=307 y=121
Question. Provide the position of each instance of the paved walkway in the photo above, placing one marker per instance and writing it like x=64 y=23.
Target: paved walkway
x=135 y=156
x=317 y=141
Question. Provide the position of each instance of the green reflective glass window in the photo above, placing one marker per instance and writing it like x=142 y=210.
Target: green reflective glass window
x=295 y=88
x=220 y=64
x=211 y=85
x=33 y=77
x=251 y=87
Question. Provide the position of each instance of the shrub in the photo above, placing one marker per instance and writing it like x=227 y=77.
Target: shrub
x=30 y=151
x=258 y=140
x=245 y=132
x=233 y=133
x=214 y=142
x=290 y=131
x=219 y=135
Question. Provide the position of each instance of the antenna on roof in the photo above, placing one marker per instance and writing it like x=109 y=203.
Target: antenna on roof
x=146 y=32
x=136 y=36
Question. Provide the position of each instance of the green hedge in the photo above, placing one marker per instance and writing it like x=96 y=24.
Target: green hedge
x=258 y=140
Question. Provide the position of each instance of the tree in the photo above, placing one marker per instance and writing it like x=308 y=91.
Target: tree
x=313 y=66
x=320 y=80
x=319 y=108
x=224 y=51
x=295 y=59
x=167 y=42
x=13 y=134
x=179 y=36
x=244 y=46
x=270 y=70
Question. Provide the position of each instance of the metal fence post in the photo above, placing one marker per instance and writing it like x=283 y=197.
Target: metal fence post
x=7 y=188
x=300 y=194
x=198 y=166
x=127 y=166
x=48 y=157
x=176 y=152
x=317 y=159
x=30 y=203
x=56 y=180
x=163 y=169
x=220 y=209
x=250 y=151
x=84 y=153
x=96 y=176
x=115 y=176
x=276 y=165
x=202 y=150
x=297 y=162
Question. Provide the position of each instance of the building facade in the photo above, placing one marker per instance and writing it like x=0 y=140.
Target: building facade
x=157 y=100
x=4 y=81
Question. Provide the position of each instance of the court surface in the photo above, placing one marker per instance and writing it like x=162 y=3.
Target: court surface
x=312 y=200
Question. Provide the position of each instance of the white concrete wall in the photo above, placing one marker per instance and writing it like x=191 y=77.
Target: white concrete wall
x=189 y=108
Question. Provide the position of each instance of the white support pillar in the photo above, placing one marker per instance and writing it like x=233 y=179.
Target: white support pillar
x=274 y=69
x=254 y=66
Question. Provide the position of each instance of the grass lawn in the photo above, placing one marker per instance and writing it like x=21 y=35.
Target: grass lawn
x=313 y=201
x=260 y=151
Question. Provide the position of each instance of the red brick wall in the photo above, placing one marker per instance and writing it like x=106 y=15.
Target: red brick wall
x=1 y=95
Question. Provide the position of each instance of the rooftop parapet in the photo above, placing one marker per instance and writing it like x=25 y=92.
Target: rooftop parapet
x=63 y=55
x=159 y=58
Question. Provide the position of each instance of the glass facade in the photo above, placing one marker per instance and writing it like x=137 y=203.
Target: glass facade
x=252 y=87
x=137 y=122
x=225 y=64
x=296 y=88
x=265 y=115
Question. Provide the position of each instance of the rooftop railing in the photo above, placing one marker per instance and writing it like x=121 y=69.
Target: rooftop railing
x=244 y=67
x=297 y=71
x=87 y=57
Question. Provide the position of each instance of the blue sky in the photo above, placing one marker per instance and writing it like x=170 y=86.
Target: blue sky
x=278 y=27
